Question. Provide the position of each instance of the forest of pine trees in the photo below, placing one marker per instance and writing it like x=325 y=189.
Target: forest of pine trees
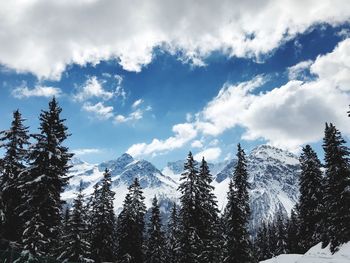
x=35 y=222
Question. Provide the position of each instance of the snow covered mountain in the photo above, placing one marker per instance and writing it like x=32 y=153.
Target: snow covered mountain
x=273 y=174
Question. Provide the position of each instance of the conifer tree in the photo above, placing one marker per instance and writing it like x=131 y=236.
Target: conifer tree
x=281 y=234
x=207 y=210
x=173 y=235
x=14 y=142
x=103 y=239
x=76 y=247
x=42 y=185
x=261 y=243
x=155 y=252
x=189 y=217
x=237 y=212
x=130 y=226
x=293 y=246
x=272 y=234
x=310 y=199
x=337 y=182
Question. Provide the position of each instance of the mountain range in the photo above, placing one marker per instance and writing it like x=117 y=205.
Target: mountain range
x=273 y=177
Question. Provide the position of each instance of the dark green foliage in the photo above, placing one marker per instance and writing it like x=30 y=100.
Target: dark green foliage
x=337 y=194
x=130 y=226
x=293 y=240
x=310 y=199
x=155 y=249
x=42 y=184
x=76 y=246
x=103 y=240
x=190 y=242
x=237 y=245
x=14 y=142
x=173 y=237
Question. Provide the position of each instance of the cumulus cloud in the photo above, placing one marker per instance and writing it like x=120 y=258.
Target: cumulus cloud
x=85 y=151
x=92 y=89
x=290 y=115
x=99 y=110
x=286 y=116
x=183 y=133
x=43 y=37
x=210 y=154
x=196 y=144
x=38 y=91
x=298 y=71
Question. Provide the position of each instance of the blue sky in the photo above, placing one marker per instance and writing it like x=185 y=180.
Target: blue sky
x=159 y=101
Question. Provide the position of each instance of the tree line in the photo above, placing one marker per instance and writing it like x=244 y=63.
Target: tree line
x=323 y=211
x=34 y=173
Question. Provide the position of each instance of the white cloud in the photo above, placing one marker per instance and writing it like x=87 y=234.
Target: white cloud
x=38 y=91
x=297 y=71
x=210 y=154
x=99 y=110
x=90 y=31
x=290 y=115
x=92 y=88
x=183 y=133
x=137 y=103
x=85 y=151
x=287 y=116
x=196 y=144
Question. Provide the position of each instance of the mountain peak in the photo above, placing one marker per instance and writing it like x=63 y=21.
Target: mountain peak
x=125 y=158
x=267 y=152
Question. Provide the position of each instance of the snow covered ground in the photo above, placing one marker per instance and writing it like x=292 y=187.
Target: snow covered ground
x=315 y=255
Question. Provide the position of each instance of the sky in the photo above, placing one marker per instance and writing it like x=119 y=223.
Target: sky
x=157 y=78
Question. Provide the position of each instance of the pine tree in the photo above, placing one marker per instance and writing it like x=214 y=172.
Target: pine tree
x=130 y=226
x=155 y=252
x=42 y=185
x=189 y=217
x=272 y=234
x=208 y=216
x=337 y=198
x=310 y=199
x=173 y=236
x=293 y=246
x=261 y=243
x=76 y=247
x=281 y=234
x=237 y=212
x=14 y=142
x=103 y=239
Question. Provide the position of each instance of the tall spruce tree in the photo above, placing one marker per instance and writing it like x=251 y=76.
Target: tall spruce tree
x=281 y=233
x=173 y=237
x=261 y=243
x=76 y=246
x=310 y=200
x=190 y=243
x=130 y=226
x=155 y=250
x=103 y=241
x=14 y=142
x=208 y=229
x=238 y=246
x=42 y=185
x=337 y=183
x=293 y=241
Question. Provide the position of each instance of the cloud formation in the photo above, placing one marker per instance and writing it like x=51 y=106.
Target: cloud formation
x=287 y=116
x=99 y=110
x=183 y=133
x=43 y=37
x=210 y=154
x=92 y=89
x=23 y=92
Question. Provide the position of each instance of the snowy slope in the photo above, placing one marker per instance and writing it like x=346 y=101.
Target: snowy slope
x=123 y=170
x=272 y=173
x=315 y=255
